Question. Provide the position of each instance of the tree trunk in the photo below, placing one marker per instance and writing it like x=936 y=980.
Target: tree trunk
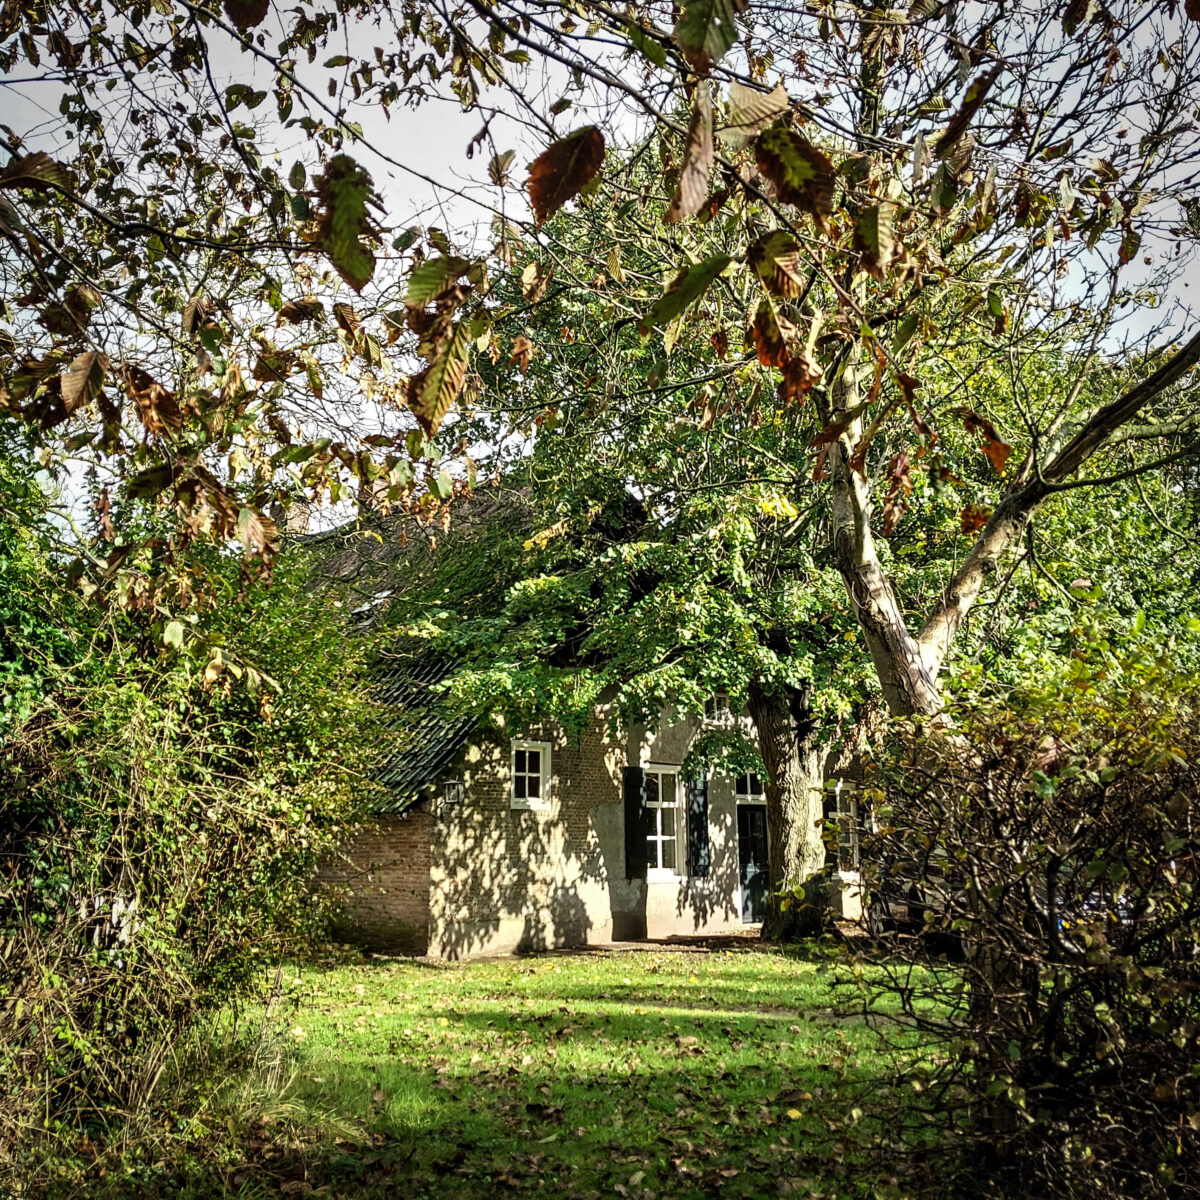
x=794 y=785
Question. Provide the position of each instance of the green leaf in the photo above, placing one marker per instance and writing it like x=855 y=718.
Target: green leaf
x=686 y=288
x=874 y=238
x=649 y=48
x=297 y=176
x=705 y=31
x=442 y=485
x=432 y=278
x=434 y=390
x=173 y=634
x=344 y=229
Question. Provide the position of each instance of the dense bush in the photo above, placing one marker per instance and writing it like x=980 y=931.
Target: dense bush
x=1046 y=848
x=165 y=792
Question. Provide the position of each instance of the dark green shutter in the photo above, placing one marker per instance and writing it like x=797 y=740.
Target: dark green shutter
x=634 y=791
x=697 y=826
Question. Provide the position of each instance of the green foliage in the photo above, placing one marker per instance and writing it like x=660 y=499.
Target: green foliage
x=163 y=805
x=1049 y=840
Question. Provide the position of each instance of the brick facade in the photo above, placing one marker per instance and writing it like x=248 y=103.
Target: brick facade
x=383 y=878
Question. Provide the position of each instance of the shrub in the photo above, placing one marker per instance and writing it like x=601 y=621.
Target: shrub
x=1047 y=847
x=159 y=821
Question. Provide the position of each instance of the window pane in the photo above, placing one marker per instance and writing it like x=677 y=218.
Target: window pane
x=535 y=762
x=535 y=786
x=755 y=786
x=519 y=761
x=668 y=853
x=668 y=821
x=742 y=787
x=651 y=788
x=519 y=786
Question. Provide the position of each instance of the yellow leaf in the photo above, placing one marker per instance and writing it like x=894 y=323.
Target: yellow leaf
x=794 y=1114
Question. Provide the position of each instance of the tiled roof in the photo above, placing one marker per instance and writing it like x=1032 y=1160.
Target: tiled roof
x=433 y=738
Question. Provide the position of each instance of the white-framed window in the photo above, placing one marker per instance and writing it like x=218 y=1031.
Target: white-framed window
x=748 y=789
x=841 y=812
x=530 y=787
x=716 y=707
x=664 y=837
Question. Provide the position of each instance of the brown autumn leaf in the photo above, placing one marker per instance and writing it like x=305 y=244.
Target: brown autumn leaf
x=522 y=353
x=720 y=344
x=692 y=191
x=976 y=94
x=994 y=445
x=800 y=374
x=775 y=258
x=751 y=111
x=257 y=533
x=307 y=308
x=348 y=320
x=800 y=173
x=197 y=314
x=246 y=14
x=156 y=406
x=563 y=170
x=899 y=486
x=769 y=333
x=83 y=379
x=973 y=518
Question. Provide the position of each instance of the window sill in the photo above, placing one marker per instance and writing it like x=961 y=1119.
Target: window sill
x=663 y=875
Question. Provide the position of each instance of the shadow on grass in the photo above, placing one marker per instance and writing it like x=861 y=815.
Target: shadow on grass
x=598 y=1105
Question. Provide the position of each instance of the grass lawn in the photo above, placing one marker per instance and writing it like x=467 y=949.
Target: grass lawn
x=647 y=1074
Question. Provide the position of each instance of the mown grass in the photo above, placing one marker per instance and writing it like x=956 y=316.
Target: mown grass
x=639 y=1074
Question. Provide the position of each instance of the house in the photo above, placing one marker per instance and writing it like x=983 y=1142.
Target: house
x=495 y=844
x=495 y=840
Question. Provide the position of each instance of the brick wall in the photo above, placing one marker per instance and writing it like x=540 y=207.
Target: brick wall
x=383 y=876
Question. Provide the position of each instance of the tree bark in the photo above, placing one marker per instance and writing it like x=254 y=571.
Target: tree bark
x=794 y=760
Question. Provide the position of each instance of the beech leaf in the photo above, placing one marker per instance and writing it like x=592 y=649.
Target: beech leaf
x=769 y=333
x=246 y=14
x=775 y=258
x=434 y=390
x=344 y=227
x=976 y=94
x=692 y=191
x=706 y=30
x=874 y=238
x=800 y=173
x=563 y=170
x=258 y=534
x=83 y=379
x=685 y=289
x=750 y=112
x=38 y=171
x=432 y=278
x=156 y=406
x=307 y=308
